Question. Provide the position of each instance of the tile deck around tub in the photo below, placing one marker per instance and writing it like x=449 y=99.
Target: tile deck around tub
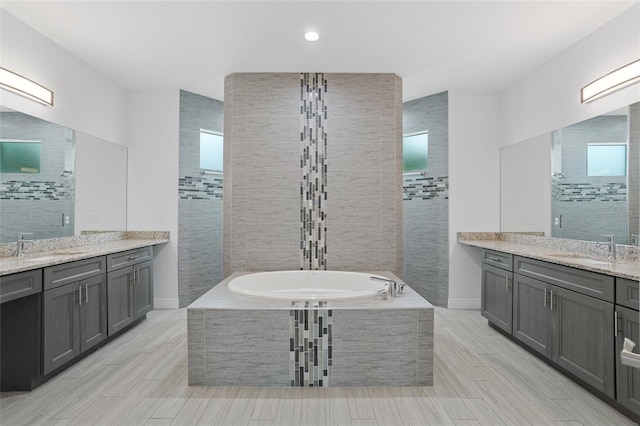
x=236 y=339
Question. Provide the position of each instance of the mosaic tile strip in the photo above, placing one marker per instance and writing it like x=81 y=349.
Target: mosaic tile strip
x=200 y=188
x=425 y=188
x=586 y=192
x=310 y=344
x=37 y=190
x=313 y=162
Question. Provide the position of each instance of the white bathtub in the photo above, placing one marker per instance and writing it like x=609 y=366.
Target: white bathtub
x=307 y=285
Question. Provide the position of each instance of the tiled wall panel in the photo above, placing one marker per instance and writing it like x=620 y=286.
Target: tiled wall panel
x=263 y=172
x=634 y=169
x=426 y=203
x=200 y=202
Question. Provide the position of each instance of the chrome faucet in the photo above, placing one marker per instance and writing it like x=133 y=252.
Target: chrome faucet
x=20 y=243
x=611 y=244
x=392 y=289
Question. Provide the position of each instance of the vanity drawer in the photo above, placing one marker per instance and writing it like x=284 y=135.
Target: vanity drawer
x=66 y=273
x=130 y=257
x=498 y=259
x=628 y=293
x=586 y=282
x=19 y=285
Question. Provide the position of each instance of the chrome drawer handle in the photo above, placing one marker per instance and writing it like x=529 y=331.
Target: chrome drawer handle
x=133 y=257
x=495 y=259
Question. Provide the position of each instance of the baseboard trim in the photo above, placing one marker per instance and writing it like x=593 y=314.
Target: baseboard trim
x=471 y=303
x=166 y=304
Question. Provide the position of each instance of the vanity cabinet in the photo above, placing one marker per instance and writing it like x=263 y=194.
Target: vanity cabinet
x=497 y=288
x=129 y=287
x=627 y=325
x=74 y=310
x=567 y=315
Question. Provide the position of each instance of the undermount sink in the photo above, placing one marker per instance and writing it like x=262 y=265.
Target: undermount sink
x=51 y=256
x=581 y=259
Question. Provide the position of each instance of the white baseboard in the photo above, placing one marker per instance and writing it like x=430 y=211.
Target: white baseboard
x=473 y=303
x=166 y=304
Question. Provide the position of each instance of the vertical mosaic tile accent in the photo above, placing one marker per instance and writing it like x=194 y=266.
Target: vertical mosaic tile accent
x=310 y=344
x=313 y=162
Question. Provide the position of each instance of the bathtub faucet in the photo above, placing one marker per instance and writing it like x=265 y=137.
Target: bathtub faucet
x=392 y=289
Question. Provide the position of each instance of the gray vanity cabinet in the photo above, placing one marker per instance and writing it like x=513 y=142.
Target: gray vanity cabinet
x=628 y=325
x=573 y=329
x=497 y=288
x=130 y=287
x=74 y=314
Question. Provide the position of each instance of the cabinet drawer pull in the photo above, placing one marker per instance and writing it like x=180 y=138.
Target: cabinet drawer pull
x=545 y=297
x=86 y=293
x=551 y=299
x=495 y=259
x=615 y=324
x=80 y=295
x=133 y=257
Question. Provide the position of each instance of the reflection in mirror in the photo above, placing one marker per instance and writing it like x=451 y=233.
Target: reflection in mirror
x=35 y=198
x=589 y=179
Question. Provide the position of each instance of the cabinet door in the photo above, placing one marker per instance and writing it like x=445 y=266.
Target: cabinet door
x=93 y=311
x=531 y=313
x=497 y=298
x=628 y=383
x=61 y=335
x=119 y=299
x=143 y=288
x=583 y=343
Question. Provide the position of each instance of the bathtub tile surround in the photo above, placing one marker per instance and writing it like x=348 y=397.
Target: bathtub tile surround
x=426 y=202
x=200 y=201
x=310 y=344
x=236 y=339
x=313 y=160
x=264 y=172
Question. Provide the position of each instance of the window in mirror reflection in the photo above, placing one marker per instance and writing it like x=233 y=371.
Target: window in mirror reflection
x=19 y=156
x=606 y=159
x=415 y=151
x=211 y=150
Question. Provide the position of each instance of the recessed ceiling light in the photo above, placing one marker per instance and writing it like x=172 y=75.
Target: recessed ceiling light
x=311 y=36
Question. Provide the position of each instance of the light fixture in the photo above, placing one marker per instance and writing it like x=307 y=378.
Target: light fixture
x=311 y=36
x=25 y=87
x=611 y=82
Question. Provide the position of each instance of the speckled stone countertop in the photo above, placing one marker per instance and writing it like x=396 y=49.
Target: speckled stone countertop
x=221 y=297
x=43 y=253
x=586 y=255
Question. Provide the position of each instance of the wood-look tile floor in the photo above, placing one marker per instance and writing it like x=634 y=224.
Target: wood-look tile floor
x=481 y=378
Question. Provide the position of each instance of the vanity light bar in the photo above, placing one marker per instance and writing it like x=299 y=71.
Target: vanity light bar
x=25 y=87
x=611 y=82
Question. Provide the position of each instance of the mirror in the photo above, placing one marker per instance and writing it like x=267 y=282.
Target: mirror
x=81 y=183
x=579 y=182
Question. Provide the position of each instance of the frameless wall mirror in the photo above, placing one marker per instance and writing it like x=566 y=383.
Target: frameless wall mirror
x=36 y=177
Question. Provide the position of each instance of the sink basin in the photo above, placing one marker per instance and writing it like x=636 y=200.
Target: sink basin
x=581 y=259
x=51 y=256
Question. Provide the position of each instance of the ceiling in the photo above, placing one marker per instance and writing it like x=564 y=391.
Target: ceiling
x=433 y=45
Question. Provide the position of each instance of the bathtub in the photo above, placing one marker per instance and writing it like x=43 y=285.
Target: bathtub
x=309 y=328
x=307 y=285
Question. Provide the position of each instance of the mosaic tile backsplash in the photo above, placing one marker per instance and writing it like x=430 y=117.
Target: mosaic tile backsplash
x=585 y=192
x=313 y=161
x=310 y=344
x=425 y=187
x=201 y=188
x=36 y=190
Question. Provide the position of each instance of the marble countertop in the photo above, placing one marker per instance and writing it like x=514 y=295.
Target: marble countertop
x=63 y=250
x=221 y=297
x=581 y=255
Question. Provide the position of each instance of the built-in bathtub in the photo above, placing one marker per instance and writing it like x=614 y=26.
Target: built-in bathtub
x=321 y=336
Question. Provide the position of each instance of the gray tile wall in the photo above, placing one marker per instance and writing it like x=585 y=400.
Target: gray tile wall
x=426 y=202
x=36 y=202
x=263 y=173
x=590 y=206
x=200 y=203
x=634 y=169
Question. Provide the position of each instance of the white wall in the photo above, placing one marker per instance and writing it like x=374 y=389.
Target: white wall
x=525 y=190
x=549 y=98
x=474 y=187
x=153 y=181
x=84 y=99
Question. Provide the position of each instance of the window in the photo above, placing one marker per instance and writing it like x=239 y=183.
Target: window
x=211 y=151
x=19 y=156
x=607 y=159
x=415 y=150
